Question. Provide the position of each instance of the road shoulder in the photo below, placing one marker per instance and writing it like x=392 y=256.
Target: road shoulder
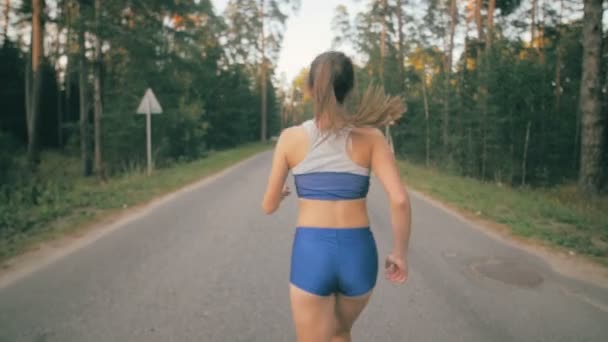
x=560 y=260
x=56 y=248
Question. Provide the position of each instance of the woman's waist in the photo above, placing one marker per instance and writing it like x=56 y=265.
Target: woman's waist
x=333 y=214
x=358 y=237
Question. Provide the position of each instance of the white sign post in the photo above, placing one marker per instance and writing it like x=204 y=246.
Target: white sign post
x=149 y=105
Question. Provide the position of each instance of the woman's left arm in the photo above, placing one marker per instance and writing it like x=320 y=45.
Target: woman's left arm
x=276 y=190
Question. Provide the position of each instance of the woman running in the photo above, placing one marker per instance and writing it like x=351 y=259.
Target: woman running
x=334 y=262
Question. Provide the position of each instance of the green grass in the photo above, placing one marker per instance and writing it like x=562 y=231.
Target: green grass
x=559 y=216
x=66 y=202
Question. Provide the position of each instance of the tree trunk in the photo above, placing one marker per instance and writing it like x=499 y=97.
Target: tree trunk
x=512 y=139
x=384 y=10
x=84 y=108
x=512 y=166
x=292 y=106
x=592 y=134
x=484 y=88
x=383 y=40
x=538 y=30
x=541 y=35
x=533 y=26
x=558 y=62
x=525 y=157
x=99 y=165
x=545 y=134
x=461 y=148
x=401 y=54
x=481 y=87
x=490 y=33
x=471 y=165
x=484 y=143
x=577 y=140
x=28 y=85
x=426 y=119
x=69 y=62
x=558 y=78
x=447 y=86
x=36 y=86
x=7 y=17
x=282 y=112
x=59 y=95
x=478 y=19
x=263 y=77
x=465 y=52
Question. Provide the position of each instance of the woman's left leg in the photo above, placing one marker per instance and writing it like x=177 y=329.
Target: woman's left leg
x=314 y=316
x=347 y=310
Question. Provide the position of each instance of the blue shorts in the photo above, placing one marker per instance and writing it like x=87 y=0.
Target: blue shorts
x=327 y=260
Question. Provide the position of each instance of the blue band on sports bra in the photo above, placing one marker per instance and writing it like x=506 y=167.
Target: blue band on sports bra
x=331 y=186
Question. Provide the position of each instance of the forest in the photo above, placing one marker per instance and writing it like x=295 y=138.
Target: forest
x=495 y=89
x=504 y=91
x=74 y=72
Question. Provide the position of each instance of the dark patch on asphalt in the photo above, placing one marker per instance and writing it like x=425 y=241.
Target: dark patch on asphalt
x=509 y=272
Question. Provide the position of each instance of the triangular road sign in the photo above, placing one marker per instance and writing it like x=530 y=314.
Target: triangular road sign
x=149 y=103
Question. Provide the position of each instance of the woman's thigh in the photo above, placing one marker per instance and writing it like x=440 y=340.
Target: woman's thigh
x=348 y=309
x=314 y=316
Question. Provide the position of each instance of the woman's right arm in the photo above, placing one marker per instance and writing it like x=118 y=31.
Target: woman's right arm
x=385 y=168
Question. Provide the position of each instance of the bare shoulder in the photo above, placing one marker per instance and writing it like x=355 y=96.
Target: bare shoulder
x=368 y=131
x=293 y=143
x=368 y=134
x=292 y=132
x=292 y=136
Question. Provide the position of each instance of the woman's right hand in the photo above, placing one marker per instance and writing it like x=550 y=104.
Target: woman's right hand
x=396 y=268
x=286 y=192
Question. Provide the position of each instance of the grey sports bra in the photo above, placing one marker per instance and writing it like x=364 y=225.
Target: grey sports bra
x=327 y=172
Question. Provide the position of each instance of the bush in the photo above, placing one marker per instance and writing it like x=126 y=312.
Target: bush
x=8 y=162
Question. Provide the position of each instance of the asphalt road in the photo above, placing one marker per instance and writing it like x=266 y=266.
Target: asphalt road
x=207 y=265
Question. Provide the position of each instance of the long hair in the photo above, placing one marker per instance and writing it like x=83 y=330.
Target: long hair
x=331 y=80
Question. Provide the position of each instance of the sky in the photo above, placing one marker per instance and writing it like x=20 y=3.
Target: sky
x=307 y=34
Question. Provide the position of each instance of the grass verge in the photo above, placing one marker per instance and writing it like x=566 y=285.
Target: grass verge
x=68 y=202
x=559 y=216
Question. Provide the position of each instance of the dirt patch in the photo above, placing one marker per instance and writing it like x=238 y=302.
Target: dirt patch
x=560 y=259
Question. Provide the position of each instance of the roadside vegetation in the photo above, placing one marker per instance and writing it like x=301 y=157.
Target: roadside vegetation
x=559 y=216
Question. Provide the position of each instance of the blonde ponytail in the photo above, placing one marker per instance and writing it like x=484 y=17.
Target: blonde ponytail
x=377 y=109
x=333 y=72
x=323 y=95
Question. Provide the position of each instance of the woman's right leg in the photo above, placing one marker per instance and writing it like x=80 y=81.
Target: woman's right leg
x=313 y=280
x=347 y=310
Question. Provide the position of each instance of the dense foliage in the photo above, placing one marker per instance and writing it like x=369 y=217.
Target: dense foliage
x=74 y=71
x=182 y=50
x=493 y=87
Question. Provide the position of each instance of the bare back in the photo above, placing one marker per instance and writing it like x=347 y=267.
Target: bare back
x=338 y=213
